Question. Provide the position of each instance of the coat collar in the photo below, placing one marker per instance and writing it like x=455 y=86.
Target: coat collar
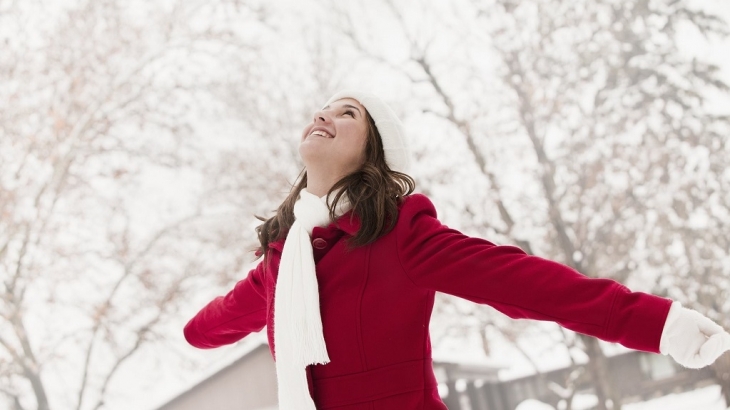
x=344 y=223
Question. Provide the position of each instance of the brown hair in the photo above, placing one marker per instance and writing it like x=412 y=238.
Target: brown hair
x=374 y=191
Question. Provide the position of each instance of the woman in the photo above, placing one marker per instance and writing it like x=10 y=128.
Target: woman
x=380 y=255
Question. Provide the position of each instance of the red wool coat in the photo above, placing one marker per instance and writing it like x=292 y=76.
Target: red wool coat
x=376 y=304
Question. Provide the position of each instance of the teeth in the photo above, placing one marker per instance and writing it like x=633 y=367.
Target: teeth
x=321 y=134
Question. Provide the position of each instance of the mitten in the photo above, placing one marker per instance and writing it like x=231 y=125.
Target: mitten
x=692 y=339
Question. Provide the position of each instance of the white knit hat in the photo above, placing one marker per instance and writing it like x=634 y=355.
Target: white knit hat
x=395 y=145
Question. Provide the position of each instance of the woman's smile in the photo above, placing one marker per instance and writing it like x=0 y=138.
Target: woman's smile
x=320 y=133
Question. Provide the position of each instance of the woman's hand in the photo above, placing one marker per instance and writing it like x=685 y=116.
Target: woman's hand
x=691 y=338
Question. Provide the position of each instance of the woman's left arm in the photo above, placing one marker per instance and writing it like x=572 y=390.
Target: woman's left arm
x=519 y=285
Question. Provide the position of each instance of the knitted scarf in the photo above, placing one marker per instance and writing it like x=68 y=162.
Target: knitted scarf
x=298 y=337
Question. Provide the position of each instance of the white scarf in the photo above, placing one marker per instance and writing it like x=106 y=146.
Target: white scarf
x=298 y=337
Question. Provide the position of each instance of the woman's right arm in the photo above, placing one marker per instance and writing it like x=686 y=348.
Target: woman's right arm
x=227 y=319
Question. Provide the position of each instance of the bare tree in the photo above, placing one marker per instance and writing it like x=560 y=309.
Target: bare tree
x=612 y=120
x=96 y=97
x=619 y=152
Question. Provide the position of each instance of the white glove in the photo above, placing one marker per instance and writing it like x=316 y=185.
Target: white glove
x=691 y=338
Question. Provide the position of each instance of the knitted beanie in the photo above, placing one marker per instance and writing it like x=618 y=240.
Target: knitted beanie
x=395 y=145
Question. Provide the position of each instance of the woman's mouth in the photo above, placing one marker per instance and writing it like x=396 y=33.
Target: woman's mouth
x=320 y=133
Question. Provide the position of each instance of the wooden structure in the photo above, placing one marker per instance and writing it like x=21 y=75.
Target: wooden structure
x=637 y=376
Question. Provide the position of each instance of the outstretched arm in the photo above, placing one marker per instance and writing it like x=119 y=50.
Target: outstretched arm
x=227 y=319
x=438 y=258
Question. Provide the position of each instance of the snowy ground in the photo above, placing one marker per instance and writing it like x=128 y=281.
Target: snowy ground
x=706 y=398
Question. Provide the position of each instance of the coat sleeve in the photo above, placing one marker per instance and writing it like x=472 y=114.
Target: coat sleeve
x=227 y=319
x=519 y=285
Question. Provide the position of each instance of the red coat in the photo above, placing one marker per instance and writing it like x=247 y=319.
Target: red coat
x=376 y=305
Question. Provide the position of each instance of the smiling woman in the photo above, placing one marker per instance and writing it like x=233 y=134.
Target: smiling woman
x=348 y=318
x=333 y=145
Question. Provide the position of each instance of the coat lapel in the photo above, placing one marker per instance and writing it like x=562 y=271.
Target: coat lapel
x=348 y=222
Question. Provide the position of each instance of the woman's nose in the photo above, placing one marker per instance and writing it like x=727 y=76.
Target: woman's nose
x=321 y=116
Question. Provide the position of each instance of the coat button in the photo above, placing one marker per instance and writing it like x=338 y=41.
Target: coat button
x=319 y=243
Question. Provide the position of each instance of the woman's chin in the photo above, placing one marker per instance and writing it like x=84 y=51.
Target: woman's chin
x=310 y=153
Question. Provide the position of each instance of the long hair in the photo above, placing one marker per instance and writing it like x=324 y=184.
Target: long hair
x=374 y=190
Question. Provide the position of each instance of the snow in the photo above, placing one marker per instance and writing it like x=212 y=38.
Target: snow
x=705 y=398
x=534 y=405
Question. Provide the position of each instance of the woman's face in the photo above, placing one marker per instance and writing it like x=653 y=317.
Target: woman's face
x=334 y=142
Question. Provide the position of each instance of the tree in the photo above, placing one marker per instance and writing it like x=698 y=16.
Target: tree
x=96 y=98
x=594 y=104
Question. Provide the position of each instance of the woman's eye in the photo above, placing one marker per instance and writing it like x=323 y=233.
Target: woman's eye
x=352 y=114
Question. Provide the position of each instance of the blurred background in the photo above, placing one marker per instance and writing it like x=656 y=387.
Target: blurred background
x=138 y=139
